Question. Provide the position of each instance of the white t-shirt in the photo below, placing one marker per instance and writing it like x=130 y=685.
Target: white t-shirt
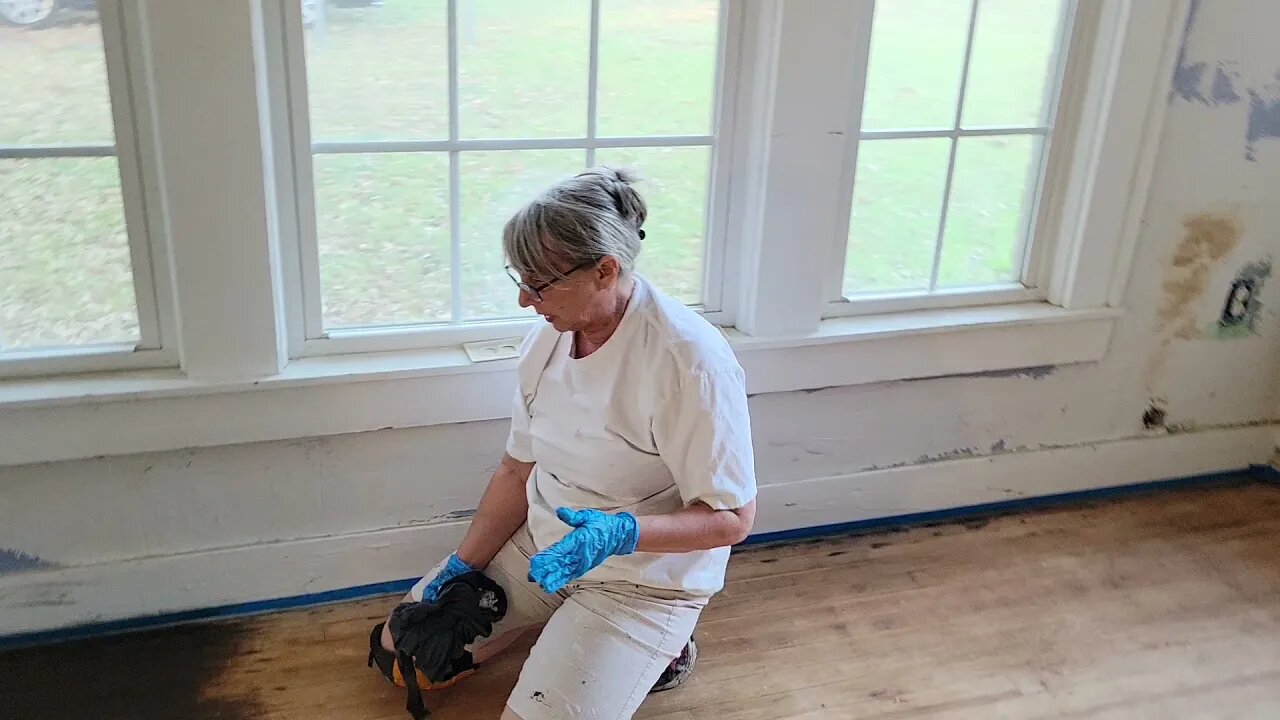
x=652 y=421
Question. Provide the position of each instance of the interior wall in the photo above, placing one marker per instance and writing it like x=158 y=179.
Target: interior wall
x=203 y=527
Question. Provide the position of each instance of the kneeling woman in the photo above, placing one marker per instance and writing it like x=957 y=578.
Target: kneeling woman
x=628 y=471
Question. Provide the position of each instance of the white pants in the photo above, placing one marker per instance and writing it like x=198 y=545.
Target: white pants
x=604 y=644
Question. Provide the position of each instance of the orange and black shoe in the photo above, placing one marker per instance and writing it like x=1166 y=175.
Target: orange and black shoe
x=385 y=661
x=679 y=670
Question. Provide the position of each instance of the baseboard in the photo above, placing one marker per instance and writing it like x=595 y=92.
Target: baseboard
x=1012 y=477
x=109 y=597
x=70 y=603
x=1228 y=478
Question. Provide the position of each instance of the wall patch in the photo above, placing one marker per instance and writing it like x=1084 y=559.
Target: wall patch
x=1208 y=239
x=16 y=561
x=1240 y=312
x=1264 y=122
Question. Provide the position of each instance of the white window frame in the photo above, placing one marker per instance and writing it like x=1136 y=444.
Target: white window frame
x=228 y=224
x=307 y=334
x=1096 y=181
x=1055 y=156
x=134 y=150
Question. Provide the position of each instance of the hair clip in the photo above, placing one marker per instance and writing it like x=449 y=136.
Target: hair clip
x=641 y=234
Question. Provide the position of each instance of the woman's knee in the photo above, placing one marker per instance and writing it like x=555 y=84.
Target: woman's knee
x=387 y=642
x=493 y=647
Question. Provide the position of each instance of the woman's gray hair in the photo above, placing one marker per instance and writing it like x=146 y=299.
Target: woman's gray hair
x=583 y=219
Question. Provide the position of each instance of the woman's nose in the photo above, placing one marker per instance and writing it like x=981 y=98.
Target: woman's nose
x=526 y=298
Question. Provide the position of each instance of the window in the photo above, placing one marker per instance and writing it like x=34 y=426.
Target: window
x=856 y=190
x=75 y=276
x=429 y=123
x=957 y=117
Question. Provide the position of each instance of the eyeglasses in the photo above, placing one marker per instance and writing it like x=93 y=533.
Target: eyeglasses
x=536 y=290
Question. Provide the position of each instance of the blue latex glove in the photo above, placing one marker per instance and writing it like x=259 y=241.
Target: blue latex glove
x=595 y=536
x=455 y=567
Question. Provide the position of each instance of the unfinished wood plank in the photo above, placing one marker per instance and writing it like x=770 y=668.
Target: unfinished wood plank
x=1165 y=606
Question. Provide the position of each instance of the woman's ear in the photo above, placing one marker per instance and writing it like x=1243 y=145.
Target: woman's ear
x=608 y=272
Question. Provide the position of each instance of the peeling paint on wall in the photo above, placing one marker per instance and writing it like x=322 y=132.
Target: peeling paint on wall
x=1223 y=91
x=956 y=454
x=16 y=561
x=1243 y=307
x=1038 y=372
x=1153 y=418
x=1190 y=79
x=1188 y=84
x=1264 y=121
x=1187 y=76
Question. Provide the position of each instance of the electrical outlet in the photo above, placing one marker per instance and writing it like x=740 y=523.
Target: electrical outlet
x=487 y=350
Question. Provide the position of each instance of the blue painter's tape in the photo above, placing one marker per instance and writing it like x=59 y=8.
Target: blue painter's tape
x=1266 y=473
x=1244 y=476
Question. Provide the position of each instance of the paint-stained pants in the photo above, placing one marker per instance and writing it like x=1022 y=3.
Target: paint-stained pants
x=604 y=644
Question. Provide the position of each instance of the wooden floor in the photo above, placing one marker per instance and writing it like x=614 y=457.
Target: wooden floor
x=1164 y=606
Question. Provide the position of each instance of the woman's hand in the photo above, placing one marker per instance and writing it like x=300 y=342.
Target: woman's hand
x=452 y=569
x=595 y=537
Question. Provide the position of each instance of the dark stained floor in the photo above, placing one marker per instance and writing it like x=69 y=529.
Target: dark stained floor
x=1159 y=606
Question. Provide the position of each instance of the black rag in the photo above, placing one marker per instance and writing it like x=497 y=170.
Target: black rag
x=433 y=636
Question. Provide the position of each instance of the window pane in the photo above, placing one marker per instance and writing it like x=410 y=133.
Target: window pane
x=657 y=66
x=523 y=68
x=987 y=221
x=1014 y=46
x=495 y=185
x=383 y=225
x=913 y=74
x=65 y=275
x=54 y=89
x=893 y=226
x=675 y=184
x=377 y=73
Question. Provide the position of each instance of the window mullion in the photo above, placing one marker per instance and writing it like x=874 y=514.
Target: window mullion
x=217 y=164
x=1037 y=245
x=129 y=106
x=295 y=198
x=860 y=55
x=593 y=81
x=720 y=254
x=798 y=106
x=955 y=143
x=455 y=173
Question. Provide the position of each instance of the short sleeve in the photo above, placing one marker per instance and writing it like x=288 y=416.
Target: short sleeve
x=519 y=441
x=535 y=351
x=703 y=434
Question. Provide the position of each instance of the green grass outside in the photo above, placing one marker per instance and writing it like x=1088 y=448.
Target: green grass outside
x=383 y=219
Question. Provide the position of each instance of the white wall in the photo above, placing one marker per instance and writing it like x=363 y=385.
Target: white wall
x=116 y=537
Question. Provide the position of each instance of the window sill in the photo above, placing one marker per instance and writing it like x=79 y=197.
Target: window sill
x=143 y=411
x=924 y=344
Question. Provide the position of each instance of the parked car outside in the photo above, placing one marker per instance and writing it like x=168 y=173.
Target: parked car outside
x=36 y=14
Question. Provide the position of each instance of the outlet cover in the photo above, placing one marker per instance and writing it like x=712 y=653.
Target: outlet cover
x=487 y=350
